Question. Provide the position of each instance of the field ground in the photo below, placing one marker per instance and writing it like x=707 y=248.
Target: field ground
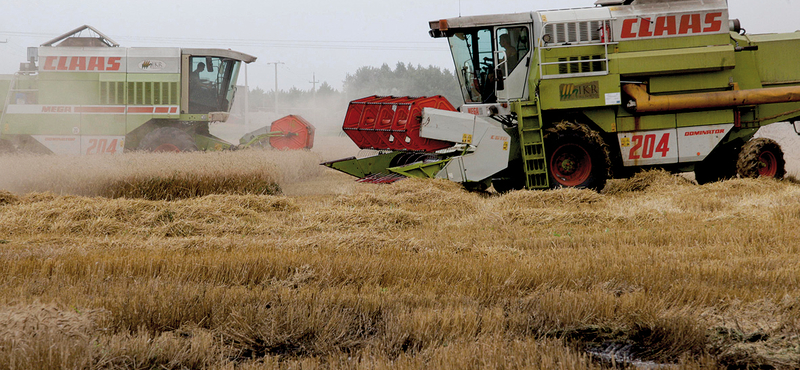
x=293 y=266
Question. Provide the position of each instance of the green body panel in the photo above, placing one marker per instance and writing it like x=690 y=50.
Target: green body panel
x=211 y=143
x=746 y=72
x=112 y=124
x=627 y=122
x=366 y=166
x=704 y=117
x=604 y=118
x=674 y=61
x=420 y=170
x=672 y=43
x=694 y=82
x=68 y=88
x=5 y=80
x=775 y=52
x=771 y=113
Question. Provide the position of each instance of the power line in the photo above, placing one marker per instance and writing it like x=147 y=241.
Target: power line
x=288 y=44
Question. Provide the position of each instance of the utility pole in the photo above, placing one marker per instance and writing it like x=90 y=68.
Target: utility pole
x=276 y=83
x=314 y=83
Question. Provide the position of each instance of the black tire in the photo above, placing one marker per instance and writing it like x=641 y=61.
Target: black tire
x=761 y=157
x=510 y=179
x=478 y=187
x=168 y=139
x=506 y=185
x=717 y=167
x=577 y=156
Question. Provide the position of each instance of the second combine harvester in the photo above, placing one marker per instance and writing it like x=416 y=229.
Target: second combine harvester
x=567 y=98
x=87 y=95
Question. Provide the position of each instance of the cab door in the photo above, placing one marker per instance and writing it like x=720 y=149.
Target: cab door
x=512 y=57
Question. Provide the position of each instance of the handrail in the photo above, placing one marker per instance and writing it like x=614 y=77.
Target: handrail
x=605 y=42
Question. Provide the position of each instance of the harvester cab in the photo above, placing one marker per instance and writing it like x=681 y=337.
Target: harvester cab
x=492 y=55
x=585 y=94
x=80 y=94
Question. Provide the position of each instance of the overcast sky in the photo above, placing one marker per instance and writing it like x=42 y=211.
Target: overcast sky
x=328 y=38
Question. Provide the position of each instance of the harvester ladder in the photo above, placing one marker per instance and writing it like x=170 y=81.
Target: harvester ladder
x=532 y=144
x=8 y=97
x=11 y=94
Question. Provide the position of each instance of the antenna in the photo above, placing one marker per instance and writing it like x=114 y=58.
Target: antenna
x=459 y=8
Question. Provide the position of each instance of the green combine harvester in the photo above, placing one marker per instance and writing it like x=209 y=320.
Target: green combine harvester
x=86 y=95
x=570 y=98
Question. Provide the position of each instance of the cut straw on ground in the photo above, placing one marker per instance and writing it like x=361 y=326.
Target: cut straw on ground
x=414 y=275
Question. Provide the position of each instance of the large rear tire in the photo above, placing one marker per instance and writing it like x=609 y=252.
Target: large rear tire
x=761 y=157
x=168 y=139
x=576 y=157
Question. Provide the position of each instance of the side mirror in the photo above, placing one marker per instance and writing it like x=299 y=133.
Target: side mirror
x=501 y=78
x=209 y=64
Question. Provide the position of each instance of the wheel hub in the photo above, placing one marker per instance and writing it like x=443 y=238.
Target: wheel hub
x=167 y=148
x=767 y=164
x=571 y=165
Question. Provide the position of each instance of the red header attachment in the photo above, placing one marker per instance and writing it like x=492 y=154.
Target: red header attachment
x=296 y=133
x=392 y=123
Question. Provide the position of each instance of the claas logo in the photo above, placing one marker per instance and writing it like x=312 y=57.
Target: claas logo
x=85 y=64
x=671 y=25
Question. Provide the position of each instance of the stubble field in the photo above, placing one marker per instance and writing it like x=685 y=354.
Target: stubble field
x=287 y=265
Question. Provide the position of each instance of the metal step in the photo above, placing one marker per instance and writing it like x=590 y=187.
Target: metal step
x=532 y=145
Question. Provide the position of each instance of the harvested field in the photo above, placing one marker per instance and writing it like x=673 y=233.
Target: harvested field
x=414 y=275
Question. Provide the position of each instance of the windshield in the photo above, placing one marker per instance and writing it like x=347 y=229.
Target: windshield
x=472 y=53
x=212 y=83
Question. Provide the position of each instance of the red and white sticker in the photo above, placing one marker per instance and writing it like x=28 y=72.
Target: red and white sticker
x=102 y=145
x=88 y=145
x=649 y=147
x=681 y=145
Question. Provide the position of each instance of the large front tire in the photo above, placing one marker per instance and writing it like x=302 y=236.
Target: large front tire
x=576 y=157
x=761 y=157
x=168 y=139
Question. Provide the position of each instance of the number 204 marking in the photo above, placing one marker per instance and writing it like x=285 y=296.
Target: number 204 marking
x=102 y=146
x=648 y=146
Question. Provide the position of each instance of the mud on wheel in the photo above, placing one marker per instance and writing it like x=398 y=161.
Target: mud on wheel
x=168 y=139
x=576 y=156
x=761 y=157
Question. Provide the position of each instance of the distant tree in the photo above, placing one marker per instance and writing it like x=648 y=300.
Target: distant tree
x=258 y=99
x=325 y=90
x=404 y=80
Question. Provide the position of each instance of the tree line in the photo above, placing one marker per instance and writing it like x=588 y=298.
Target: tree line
x=403 y=80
